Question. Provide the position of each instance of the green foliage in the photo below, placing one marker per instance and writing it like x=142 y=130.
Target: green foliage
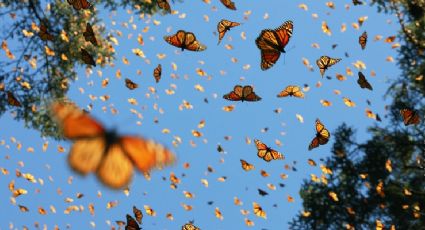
x=383 y=179
x=36 y=77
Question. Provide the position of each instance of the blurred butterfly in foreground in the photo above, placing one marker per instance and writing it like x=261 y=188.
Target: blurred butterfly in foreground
x=223 y=26
x=324 y=62
x=12 y=100
x=363 y=40
x=130 y=84
x=242 y=93
x=87 y=58
x=185 y=40
x=157 y=73
x=79 y=4
x=111 y=156
x=322 y=136
x=410 y=117
x=291 y=90
x=272 y=43
x=363 y=83
x=44 y=34
x=228 y=4
x=267 y=153
x=190 y=226
x=89 y=35
x=163 y=4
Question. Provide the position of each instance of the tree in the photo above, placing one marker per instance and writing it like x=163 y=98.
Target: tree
x=39 y=71
x=379 y=183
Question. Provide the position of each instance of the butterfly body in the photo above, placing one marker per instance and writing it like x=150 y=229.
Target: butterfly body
x=272 y=42
x=242 y=93
x=185 y=40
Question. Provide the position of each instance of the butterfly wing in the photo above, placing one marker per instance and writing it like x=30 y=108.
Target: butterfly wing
x=131 y=223
x=410 y=117
x=314 y=143
x=176 y=39
x=44 y=34
x=223 y=26
x=192 y=44
x=12 y=100
x=322 y=133
x=363 y=83
x=86 y=154
x=235 y=95
x=87 y=58
x=324 y=62
x=138 y=214
x=246 y=166
x=248 y=94
x=261 y=148
x=130 y=84
x=363 y=40
x=296 y=91
x=228 y=4
x=189 y=226
x=89 y=35
x=163 y=4
x=157 y=73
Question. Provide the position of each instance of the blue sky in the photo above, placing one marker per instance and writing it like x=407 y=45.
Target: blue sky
x=246 y=120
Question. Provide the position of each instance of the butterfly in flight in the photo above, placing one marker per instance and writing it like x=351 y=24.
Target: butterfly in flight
x=89 y=35
x=242 y=93
x=363 y=40
x=87 y=58
x=272 y=43
x=44 y=34
x=246 y=166
x=131 y=224
x=363 y=83
x=185 y=40
x=130 y=84
x=258 y=210
x=111 y=156
x=190 y=226
x=267 y=153
x=157 y=73
x=324 y=62
x=410 y=117
x=79 y=4
x=322 y=136
x=138 y=214
x=163 y=4
x=291 y=90
x=12 y=100
x=228 y=4
x=357 y=2
x=223 y=26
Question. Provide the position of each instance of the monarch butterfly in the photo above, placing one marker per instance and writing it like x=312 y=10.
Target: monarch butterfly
x=11 y=99
x=239 y=93
x=131 y=224
x=363 y=40
x=190 y=226
x=322 y=136
x=223 y=26
x=87 y=58
x=258 y=210
x=410 y=117
x=357 y=2
x=185 y=40
x=324 y=62
x=105 y=152
x=363 y=83
x=267 y=153
x=89 y=35
x=246 y=166
x=262 y=192
x=79 y=4
x=157 y=73
x=44 y=34
x=130 y=84
x=272 y=43
x=138 y=214
x=163 y=4
x=291 y=90
x=228 y=4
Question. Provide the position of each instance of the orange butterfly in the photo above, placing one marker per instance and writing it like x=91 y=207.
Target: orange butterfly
x=79 y=4
x=223 y=26
x=185 y=40
x=247 y=166
x=324 y=62
x=44 y=34
x=190 y=226
x=228 y=4
x=267 y=153
x=291 y=90
x=363 y=83
x=410 y=117
x=258 y=210
x=272 y=43
x=157 y=73
x=87 y=58
x=322 y=136
x=363 y=40
x=130 y=84
x=163 y=4
x=89 y=35
x=11 y=99
x=138 y=214
x=239 y=93
x=105 y=152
